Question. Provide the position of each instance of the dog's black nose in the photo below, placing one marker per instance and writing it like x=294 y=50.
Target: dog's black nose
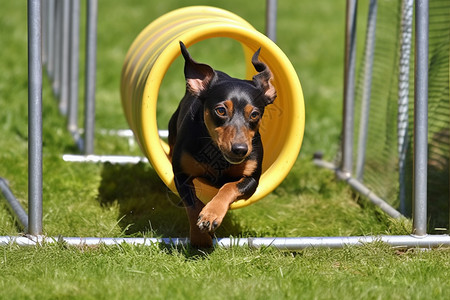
x=239 y=149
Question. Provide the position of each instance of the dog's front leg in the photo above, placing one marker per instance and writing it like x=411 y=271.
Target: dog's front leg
x=193 y=208
x=213 y=213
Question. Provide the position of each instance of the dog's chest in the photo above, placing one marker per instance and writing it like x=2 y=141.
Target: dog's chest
x=212 y=162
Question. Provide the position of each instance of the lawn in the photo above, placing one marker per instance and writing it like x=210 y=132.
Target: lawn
x=106 y=200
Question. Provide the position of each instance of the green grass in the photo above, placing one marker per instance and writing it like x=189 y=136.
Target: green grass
x=237 y=273
x=107 y=200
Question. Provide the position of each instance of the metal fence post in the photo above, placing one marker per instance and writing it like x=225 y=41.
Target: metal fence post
x=50 y=28
x=34 y=118
x=349 y=89
x=271 y=19
x=91 y=61
x=367 y=88
x=421 y=119
x=72 y=116
x=44 y=18
x=57 y=31
x=403 y=96
x=65 y=30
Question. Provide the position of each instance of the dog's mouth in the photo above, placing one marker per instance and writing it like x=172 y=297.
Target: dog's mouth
x=234 y=160
x=235 y=153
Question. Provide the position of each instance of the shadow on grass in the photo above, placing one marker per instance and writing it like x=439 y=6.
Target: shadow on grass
x=438 y=192
x=438 y=182
x=146 y=206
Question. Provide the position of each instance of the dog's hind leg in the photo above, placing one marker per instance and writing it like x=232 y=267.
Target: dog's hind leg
x=193 y=207
x=198 y=237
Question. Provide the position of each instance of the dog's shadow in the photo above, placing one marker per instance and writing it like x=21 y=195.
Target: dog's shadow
x=146 y=206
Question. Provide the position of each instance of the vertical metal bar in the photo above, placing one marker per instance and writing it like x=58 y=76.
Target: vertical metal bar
x=349 y=89
x=421 y=118
x=50 y=37
x=271 y=19
x=65 y=22
x=403 y=96
x=57 y=49
x=34 y=118
x=91 y=61
x=367 y=88
x=44 y=25
x=72 y=119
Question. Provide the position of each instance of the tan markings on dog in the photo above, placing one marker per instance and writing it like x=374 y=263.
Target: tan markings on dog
x=230 y=107
x=227 y=194
x=248 y=110
x=244 y=169
x=216 y=209
x=225 y=136
x=191 y=166
x=248 y=135
x=210 y=125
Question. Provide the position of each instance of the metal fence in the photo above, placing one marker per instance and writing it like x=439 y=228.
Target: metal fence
x=33 y=221
x=397 y=73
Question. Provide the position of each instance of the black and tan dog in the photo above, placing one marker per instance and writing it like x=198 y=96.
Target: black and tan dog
x=213 y=135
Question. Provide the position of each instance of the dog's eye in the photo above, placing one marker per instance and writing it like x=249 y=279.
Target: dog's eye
x=221 y=111
x=254 y=116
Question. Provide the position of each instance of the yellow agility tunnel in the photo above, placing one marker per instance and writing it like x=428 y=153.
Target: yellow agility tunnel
x=155 y=49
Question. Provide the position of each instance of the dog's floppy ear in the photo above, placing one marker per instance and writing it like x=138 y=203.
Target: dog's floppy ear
x=198 y=76
x=263 y=79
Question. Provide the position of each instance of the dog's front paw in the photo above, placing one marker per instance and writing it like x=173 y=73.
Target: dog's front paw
x=206 y=223
x=210 y=218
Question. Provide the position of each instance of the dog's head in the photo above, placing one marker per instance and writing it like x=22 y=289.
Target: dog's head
x=233 y=108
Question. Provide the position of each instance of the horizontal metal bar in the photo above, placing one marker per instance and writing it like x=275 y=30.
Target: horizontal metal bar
x=114 y=159
x=163 y=133
x=318 y=161
x=400 y=241
x=282 y=243
x=126 y=133
x=14 y=204
x=117 y=132
x=360 y=188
